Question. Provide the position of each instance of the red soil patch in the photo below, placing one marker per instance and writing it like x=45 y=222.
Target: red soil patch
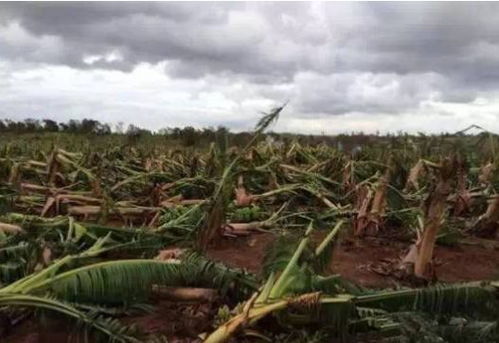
x=179 y=322
x=242 y=252
x=467 y=263
x=351 y=259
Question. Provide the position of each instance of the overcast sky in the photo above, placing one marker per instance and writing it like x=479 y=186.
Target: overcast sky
x=343 y=66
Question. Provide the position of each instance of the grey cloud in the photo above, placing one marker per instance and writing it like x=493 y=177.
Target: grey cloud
x=239 y=38
x=327 y=58
x=277 y=39
x=364 y=92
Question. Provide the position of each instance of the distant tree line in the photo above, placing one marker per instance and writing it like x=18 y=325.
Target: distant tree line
x=87 y=126
x=190 y=136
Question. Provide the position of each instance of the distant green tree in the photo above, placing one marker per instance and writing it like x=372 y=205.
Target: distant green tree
x=50 y=125
x=189 y=136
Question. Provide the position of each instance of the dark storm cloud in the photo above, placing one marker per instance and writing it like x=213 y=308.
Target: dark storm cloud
x=200 y=34
x=275 y=38
x=457 y=40
x=335 y=57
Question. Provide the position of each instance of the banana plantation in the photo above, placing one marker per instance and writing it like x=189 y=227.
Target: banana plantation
x=131 y=241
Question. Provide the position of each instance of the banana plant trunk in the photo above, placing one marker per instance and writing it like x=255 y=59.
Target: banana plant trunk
x=434 y=216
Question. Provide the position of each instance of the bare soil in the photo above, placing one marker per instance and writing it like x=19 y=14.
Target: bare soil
x=353 y=259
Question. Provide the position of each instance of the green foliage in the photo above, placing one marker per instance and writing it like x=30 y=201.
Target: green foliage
x=180 y=223
x=245 y=214
x=424 y=328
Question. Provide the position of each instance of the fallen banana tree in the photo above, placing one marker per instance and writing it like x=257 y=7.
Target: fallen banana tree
x=83 y=293
x=215 y=218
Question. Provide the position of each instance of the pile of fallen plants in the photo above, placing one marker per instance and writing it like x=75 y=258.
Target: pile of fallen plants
x=94 y=233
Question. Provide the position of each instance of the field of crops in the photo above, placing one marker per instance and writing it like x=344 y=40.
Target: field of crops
x=104 y=239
